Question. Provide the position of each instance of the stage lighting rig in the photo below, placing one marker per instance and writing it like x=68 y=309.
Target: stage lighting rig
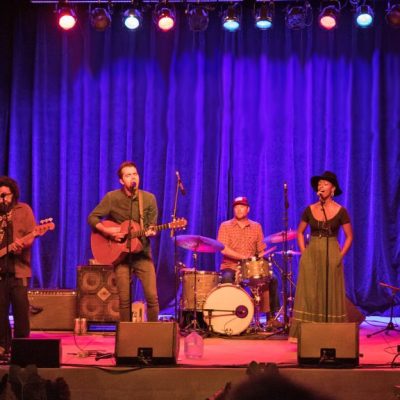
x=198 y=17
x=393 y=15
x=364 y=16
x=264 y=14
x=231 y=17
x=164 y=16
x=329 y=15
x=100 y=17
x=299 y=16
x=132 y=17
x=66 y=15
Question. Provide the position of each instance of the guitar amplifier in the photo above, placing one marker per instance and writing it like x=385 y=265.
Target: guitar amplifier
x=52 y=309
x=98 y=299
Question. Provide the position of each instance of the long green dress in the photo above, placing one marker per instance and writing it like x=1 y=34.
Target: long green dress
x=310 y=299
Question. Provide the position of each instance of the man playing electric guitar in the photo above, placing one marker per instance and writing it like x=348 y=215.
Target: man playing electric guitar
x=16 y=221
x=117 y=206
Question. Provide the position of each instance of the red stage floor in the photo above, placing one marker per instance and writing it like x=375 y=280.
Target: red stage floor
x=224 y=359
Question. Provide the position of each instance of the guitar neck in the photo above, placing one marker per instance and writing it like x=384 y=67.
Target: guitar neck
x=142 y=232
x=24 y=239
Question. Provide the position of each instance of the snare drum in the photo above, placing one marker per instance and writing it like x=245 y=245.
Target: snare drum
x=228 y=309
x=254 y=270
x=205 y=281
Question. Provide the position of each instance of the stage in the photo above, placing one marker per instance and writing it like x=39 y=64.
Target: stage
x=225 y=360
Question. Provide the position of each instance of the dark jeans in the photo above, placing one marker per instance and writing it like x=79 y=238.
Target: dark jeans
x=14 y=292
x=145 y=271
x=271 y=301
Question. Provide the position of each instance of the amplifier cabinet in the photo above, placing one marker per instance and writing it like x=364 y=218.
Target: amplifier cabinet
x=98 y=299
x=52 y=309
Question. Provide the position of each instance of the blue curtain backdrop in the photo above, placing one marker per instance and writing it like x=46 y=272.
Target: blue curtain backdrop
x=236 y=114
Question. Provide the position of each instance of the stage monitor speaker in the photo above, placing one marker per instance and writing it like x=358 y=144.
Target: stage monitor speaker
x=328 y=344
x=146 y=343
x=98 y=299
x=52 y=309
x=44 y=353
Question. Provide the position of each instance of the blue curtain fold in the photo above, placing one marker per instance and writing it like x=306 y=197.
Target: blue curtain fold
x=235 y=114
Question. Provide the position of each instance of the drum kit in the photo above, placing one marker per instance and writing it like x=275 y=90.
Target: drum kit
x=226 y=308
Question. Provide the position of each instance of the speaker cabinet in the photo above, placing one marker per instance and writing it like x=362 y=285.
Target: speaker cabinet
x=52 y=309
x=44 y=353
x=328 y=344
x=97 y=293
x=153 y=343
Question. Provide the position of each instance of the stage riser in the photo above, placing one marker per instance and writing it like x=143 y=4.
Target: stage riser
x=200 y=383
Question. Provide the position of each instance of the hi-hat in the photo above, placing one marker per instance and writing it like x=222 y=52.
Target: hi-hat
x=289 y=253
x=199 y=243
x=280 y=237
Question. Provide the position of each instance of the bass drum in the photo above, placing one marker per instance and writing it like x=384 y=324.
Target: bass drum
x=228 y=309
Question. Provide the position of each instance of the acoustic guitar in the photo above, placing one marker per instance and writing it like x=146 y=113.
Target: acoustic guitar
x=39 y=230
x=107 y=251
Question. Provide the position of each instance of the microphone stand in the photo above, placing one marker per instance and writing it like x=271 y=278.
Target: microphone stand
x=129 y=238
x=173 y=235
x=285 y=261
x=327 y=229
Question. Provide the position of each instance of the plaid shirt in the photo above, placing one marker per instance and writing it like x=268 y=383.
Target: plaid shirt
x=247 y=240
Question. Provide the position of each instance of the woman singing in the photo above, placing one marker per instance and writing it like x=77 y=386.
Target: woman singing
x=320 y=296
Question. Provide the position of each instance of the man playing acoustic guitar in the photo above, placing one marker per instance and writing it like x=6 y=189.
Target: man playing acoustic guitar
x=16 y=222
x=117 y=206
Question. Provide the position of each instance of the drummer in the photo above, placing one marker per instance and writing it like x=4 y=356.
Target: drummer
x=243 y=239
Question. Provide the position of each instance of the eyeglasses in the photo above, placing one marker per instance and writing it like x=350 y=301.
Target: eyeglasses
x=2 y=195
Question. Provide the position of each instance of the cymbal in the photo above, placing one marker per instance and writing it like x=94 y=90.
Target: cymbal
x=289 y=253
x=279 y=237
x=199 y=243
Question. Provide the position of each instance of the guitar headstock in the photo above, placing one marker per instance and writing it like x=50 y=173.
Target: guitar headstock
x=45 y=225
x=179 y=223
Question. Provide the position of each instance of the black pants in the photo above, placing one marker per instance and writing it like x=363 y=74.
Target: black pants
x=14 y=292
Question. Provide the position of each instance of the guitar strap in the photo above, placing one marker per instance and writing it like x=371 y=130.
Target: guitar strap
x=141 y=217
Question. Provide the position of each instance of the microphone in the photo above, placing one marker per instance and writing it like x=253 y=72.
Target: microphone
x=181 y=187
x=286 y=198
x=133 y=187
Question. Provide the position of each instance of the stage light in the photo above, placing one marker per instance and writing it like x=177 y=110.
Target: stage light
x=100 y=18
x=132 y=18
x=231 y=18
x=329 y=16
x=299 y=16
x=198 y=18
x=164 y=17
x=393 y=16
x=264 y=15
x=66 y=16
x=364 y=16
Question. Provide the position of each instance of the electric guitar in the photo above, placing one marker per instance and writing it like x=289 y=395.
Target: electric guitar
x=107 y=251
x=39 y=230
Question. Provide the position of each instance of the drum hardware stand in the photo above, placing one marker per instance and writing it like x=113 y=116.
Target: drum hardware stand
x=285 y=276
x=255 y=290
x=390 y=326
x=194 y=323
x=292 y=285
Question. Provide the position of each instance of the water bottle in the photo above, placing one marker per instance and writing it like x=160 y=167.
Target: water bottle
x=194 y=345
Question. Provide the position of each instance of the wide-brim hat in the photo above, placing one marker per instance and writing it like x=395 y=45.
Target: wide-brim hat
x=241 y=200
x=326 y=176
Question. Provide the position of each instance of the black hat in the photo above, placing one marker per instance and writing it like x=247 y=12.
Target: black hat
x=326 y=176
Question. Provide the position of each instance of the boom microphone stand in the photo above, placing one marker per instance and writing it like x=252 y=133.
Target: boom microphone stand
x=390 y=326
x=179 y=188
x=285 y=261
